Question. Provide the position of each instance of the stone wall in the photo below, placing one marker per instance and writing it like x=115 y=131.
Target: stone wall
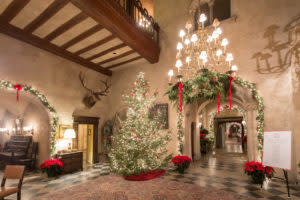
x=53 y=76
x=259 y=44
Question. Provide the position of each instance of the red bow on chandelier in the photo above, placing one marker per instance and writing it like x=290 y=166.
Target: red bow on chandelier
x=18 y=87
x=230 y=92
x=180 y=86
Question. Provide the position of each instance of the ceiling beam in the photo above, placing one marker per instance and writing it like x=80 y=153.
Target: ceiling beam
x=115 y=19
x=102 y=53
x=96 y=44
x=82 y=36
x=44 y=16
x=18 y=33
x=116 y=57
x=13 y=9
x=66 y=26
x=125 y=62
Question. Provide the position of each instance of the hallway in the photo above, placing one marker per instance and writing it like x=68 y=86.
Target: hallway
x=225 y=171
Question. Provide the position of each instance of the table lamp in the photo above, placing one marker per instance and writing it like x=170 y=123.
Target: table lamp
x=70 y=134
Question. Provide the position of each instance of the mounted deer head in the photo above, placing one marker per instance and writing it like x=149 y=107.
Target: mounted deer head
x=90 y=99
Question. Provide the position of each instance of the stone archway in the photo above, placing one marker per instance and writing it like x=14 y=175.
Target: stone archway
x=247 y=111
x=28 y=90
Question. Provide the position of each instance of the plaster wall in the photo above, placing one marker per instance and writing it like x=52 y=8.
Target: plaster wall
x=53 y=76
x=259 y=44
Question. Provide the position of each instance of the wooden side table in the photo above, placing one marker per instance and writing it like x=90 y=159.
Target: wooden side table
x=72 y=161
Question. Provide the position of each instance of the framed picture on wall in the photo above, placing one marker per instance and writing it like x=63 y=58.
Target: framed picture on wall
x=163 y=114
x=62 y=129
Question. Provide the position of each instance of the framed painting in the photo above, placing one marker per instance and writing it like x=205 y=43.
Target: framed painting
x=163 y=114
x=62 y=129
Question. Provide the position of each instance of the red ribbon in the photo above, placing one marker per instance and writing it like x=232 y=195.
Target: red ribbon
x=219 y=101
x=230 y=92
x=18 y=88
x=180 y=86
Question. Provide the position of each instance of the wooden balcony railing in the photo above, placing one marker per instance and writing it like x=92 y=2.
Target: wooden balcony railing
x=141 y=17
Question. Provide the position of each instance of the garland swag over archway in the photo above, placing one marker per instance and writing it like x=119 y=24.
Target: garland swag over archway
x=44 y=101
x=210 y=85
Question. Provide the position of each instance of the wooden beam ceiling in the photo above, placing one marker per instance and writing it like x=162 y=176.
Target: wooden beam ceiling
x=96 y=44
x=109 y=14
x=116 y=57
x=13 y=9
x=125 y=62
x=44 y=16
x=82 y=36
x=98 y=24
x=18 y=33
x=66 y=26
x=106 y=51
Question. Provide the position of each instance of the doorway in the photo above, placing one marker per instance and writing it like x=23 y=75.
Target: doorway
x=85 y=142
x=229 y=134
x=193 y=127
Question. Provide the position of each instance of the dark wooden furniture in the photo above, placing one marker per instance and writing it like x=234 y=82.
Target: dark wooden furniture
x=12 y=172
x=30 y=162
x=15 y=149
x=72 y=161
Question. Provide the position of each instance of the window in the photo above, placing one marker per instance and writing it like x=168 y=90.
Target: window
x=216 y=9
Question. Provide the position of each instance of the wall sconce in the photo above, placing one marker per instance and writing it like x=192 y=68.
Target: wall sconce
x=4 y=130
x=28 y=130
x=199 y=125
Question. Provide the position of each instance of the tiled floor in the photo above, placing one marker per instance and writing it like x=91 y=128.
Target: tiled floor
x=35 y=184
x=222 y=171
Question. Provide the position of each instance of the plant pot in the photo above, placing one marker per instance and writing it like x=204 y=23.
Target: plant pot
x=257 y=180
x=181 y=170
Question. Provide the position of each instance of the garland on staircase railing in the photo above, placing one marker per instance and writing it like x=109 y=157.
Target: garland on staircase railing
x=44 y=101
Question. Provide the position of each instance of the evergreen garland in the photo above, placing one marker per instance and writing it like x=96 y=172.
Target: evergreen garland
x=206 y=86
x=44 y=101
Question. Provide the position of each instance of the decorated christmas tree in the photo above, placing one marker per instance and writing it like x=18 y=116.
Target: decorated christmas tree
x=138 y=145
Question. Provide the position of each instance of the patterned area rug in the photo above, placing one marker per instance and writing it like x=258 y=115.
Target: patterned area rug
x=115 y=187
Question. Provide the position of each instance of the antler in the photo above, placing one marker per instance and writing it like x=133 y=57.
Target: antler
x=81 y=78
x=103 y=92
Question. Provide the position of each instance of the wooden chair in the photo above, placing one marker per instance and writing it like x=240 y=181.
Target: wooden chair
x=30 y=162
x=12 y=172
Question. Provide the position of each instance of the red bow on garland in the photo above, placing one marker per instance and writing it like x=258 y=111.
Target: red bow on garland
x=180 y=86
x=230 y=92
x=18 y=88
x=219 y=101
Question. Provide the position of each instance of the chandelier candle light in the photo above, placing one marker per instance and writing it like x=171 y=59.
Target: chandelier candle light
x=202 y=50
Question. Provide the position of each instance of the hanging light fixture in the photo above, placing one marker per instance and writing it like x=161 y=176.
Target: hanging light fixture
x=204 y=49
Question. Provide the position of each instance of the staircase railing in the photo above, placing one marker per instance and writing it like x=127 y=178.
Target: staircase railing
x=141 y=17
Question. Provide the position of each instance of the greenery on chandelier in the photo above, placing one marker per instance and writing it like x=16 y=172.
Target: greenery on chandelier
x=44 y=101
x=205 y=85
x=138 y=145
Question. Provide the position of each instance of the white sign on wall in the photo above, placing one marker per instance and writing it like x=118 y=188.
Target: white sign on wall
x=277 y=149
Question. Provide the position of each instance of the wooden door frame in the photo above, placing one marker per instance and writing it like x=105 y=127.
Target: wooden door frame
x=89 y=120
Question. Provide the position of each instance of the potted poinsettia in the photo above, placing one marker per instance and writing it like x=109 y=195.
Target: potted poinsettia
x=52 y=167
x=182 y=163
x=258 y=172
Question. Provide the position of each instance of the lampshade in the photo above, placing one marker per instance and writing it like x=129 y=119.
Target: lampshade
x=69 y=134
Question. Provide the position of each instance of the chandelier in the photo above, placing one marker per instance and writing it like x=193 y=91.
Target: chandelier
x=202 y=50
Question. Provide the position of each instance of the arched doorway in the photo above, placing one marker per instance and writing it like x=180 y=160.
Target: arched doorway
x=193 y=132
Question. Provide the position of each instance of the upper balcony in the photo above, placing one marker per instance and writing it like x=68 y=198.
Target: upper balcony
x=98 y=34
